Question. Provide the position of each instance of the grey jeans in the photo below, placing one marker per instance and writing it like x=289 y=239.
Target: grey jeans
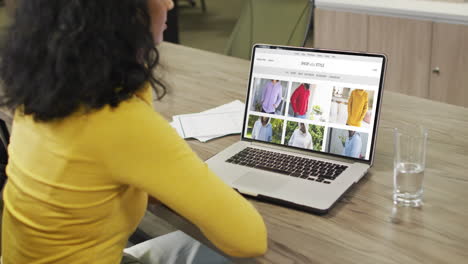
x=173 y=248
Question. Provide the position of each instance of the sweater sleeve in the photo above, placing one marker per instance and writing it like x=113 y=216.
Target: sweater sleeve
x=310 y=144
x=355 y=149
x=279 y=95
x=265 y=87
x=139 y=148
x=364 y=107
x=270 y=133
x=292 y=138
x=255 y=130
x=293 y=100
x=350 y=104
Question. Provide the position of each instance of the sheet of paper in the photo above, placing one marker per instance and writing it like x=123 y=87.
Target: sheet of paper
x=176 y=125
x=229 y=109
x=232 y=106
x=210 y=124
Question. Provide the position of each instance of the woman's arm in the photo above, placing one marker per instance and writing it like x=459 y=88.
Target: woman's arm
x=265 y=87
x=255 y=130
x=365 y=107
x=356 y=146
x=140 y=148
x=279 y=95
x=310 y=144
x=270 y=133
x=293 y=100
x=350 y=105
x=292 y=138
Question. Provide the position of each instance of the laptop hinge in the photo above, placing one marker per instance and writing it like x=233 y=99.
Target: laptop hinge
x=291 y=150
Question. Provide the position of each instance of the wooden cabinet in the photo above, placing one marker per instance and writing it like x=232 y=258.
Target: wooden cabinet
x=340 y=30
x=426 y=59
x=407 y=44
x=449 y=66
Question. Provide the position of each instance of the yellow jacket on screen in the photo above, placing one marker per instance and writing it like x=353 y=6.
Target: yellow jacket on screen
x=357 y=107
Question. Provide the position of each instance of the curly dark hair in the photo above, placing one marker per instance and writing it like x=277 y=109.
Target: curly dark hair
x=60 y=55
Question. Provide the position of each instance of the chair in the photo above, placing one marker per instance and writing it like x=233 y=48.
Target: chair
x=203 y=4
x=4 y=140
x=290 y=24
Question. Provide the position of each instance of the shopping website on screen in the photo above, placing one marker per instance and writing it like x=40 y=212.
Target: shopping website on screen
x=313 y=100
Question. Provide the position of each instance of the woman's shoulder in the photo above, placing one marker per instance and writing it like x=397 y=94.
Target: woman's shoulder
x=134 y=107
x=130 y=115
x=133 y=121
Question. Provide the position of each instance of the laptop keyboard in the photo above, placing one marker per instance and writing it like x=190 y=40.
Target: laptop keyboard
x=313 y=170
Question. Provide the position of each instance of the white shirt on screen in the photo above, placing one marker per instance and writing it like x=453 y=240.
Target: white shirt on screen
x=301 y=140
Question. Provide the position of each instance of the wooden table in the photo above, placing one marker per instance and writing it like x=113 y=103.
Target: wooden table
x=364 y=227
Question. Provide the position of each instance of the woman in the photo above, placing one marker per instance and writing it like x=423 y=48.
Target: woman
x=353 y=145
x=300 y=100
x=301 y=138
x=271 y=96
x=262 y=129
x=357 y=107
x=87 y=148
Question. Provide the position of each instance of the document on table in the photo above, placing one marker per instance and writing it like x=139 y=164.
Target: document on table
x=217 y=122
x=211 y=124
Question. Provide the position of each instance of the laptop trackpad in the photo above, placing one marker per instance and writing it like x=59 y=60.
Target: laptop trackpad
x=259 y=183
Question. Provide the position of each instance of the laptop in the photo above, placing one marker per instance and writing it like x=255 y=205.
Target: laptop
x=309 y=129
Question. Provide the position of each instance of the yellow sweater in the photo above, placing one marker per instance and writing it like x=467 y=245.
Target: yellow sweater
x=357 y=107
x=78 y=187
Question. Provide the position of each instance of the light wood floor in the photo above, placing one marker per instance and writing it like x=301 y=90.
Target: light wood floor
x=211 y=30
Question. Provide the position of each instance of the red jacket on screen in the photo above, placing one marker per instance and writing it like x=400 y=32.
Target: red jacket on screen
x=300 y=100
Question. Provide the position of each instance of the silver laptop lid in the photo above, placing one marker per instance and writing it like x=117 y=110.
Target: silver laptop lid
x=316 y=100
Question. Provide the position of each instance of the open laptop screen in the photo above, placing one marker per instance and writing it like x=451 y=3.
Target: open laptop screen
x=317 y=100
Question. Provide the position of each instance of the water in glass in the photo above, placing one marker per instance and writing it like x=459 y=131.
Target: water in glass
x=408 y=184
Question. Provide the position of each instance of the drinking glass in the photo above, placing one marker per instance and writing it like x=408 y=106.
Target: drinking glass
x=409 y=164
